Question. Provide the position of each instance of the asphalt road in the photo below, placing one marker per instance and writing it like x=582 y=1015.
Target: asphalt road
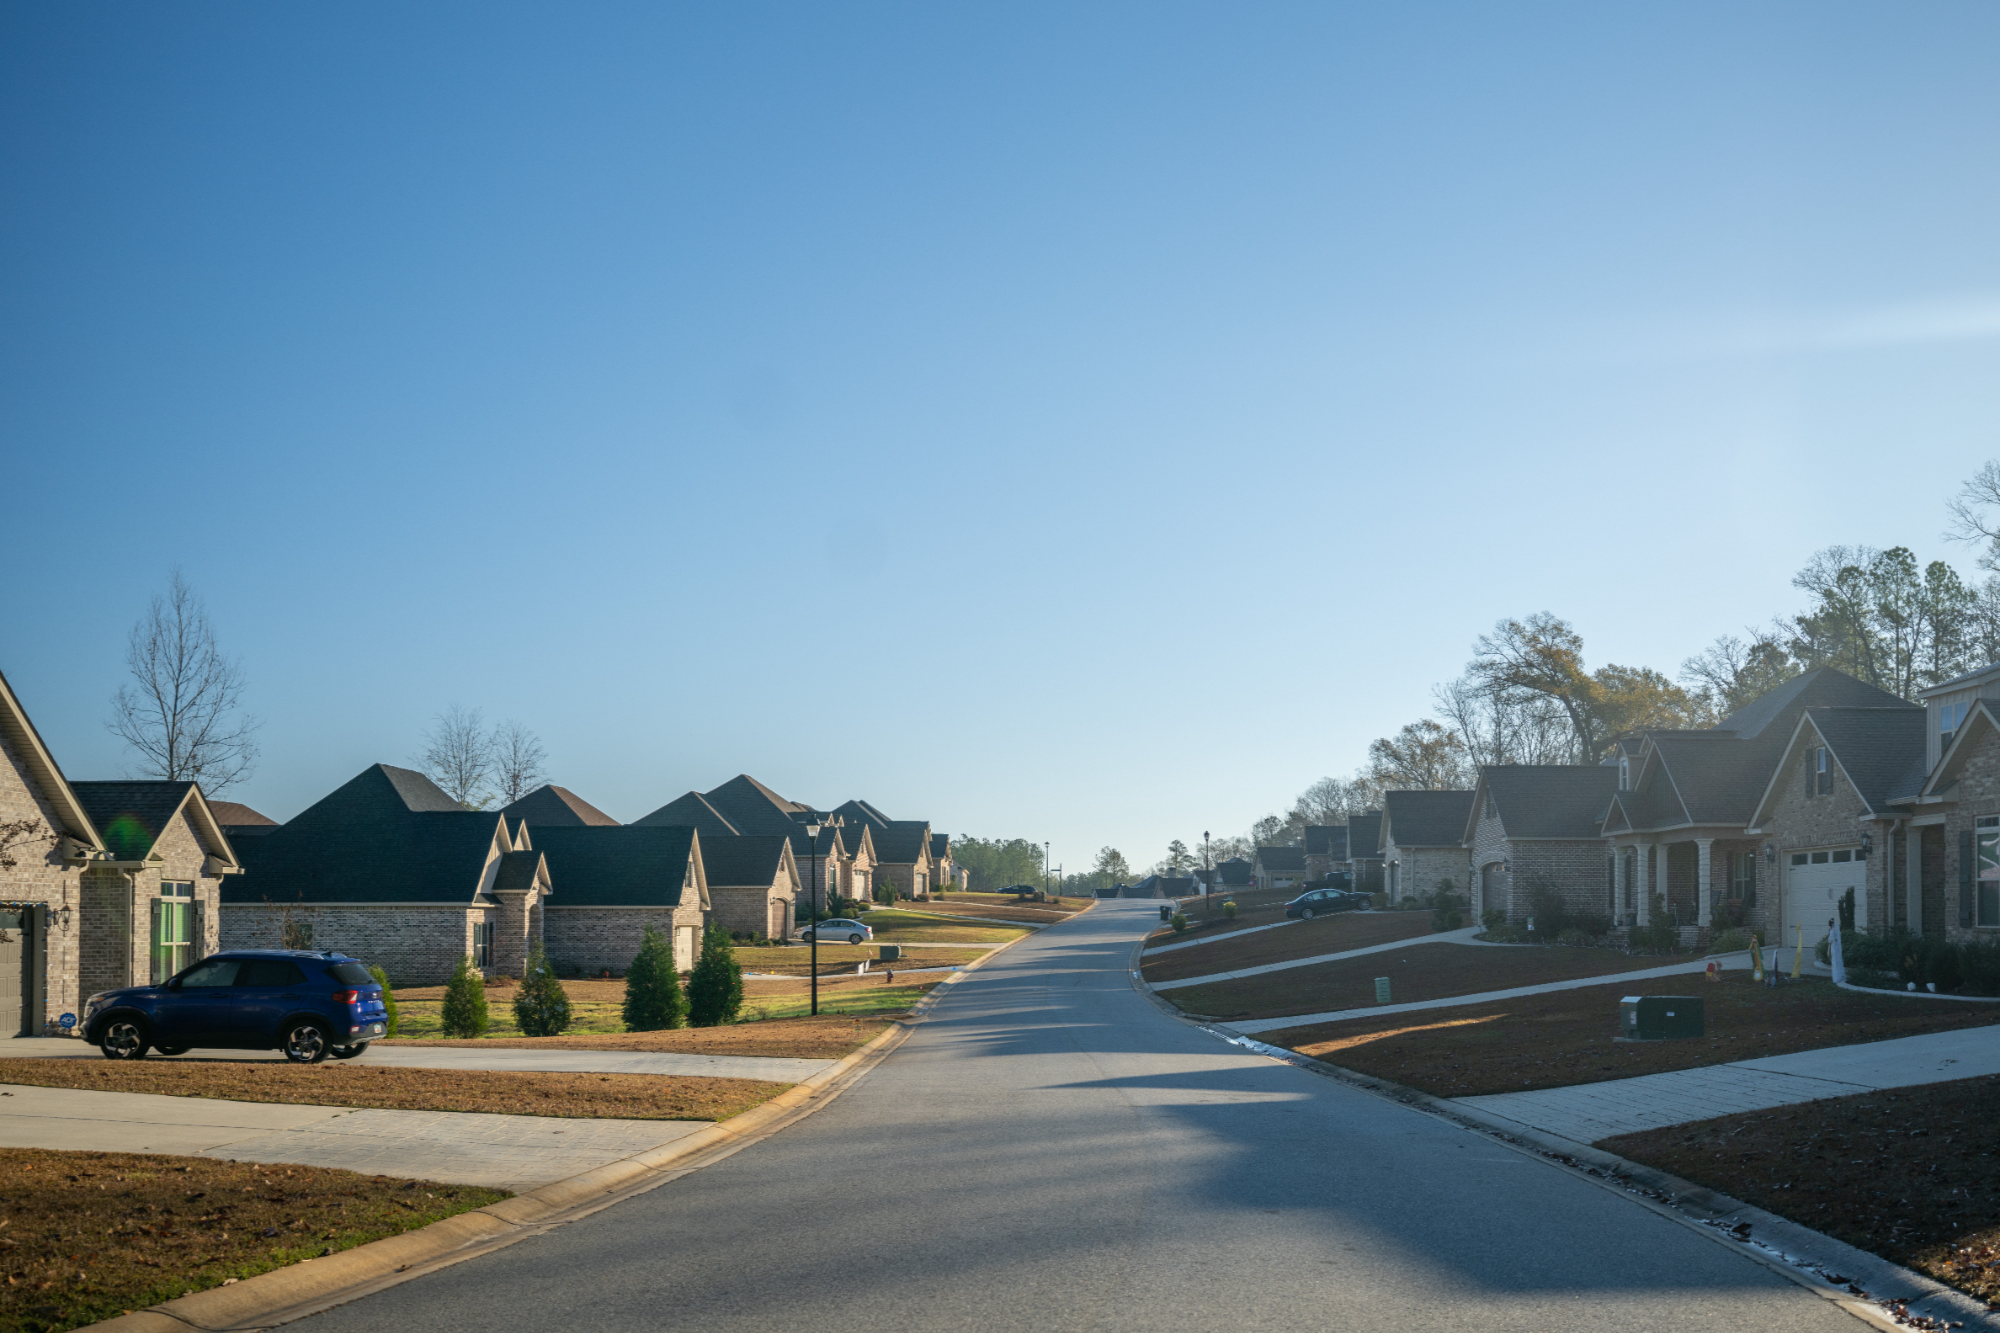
x=1049 y=1151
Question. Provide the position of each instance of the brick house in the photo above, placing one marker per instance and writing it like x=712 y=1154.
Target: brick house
x=41 y=880
x=1678 y=823
x=152 y=906
x=1235 y=875
x=1364 y=851
x=1279 y=867
x=1845 y=786
x=1423 y=843
x=617 y=880
x=902 y=848
x=393 y=871
x=753 y=883
x=1531 y=826
x=1326 y=850
x=944 y=873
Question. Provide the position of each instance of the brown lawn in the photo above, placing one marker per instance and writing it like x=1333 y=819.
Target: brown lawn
x=1567 y=1037
x=85 y=1236
x=1005 y=910
x=1304 y=939
x=1910 y=1175
x=1064 y=906
x=827 y=1037
x=1199 y=926
x=583 y=1096
x=1425 y=972
x=835 y=959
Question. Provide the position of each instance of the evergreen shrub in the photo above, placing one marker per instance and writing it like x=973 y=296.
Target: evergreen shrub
x=715 y=987
x=465 y=1002
x=541 y=1006
x=388 y=1000
x=654 y=999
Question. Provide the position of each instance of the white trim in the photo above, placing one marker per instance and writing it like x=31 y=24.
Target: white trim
x=297 y=905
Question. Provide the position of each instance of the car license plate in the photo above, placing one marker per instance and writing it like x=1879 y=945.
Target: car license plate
x=375 y=1029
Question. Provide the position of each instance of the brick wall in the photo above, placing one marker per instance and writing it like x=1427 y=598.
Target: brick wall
x=1579 y=868
x=416 y=945
x=591 y=939
x=765 y=909
x=1800 y=821
x=1422 y=870
x=1489 y=848
x=39 y=876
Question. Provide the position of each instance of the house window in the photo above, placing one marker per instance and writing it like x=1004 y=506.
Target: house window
x=1987 y=832
x=1743 y=876
x=1819 y=772
x=1819 y=858
x=482 y=944
x=1845 y=854
x=1798 y=858
x=1950 y=718
x=173 y=928
x=1624 y=774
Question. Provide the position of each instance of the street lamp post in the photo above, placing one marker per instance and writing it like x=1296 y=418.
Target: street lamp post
x=1207 y=879
x=1045 y=870
x=812 y=854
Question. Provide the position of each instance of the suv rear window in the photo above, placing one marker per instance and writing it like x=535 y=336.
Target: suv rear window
x=270 y=972
x=351 y=974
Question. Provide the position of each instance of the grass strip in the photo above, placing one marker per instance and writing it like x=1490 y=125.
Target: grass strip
x=574 y=1096
x=1909 y=1175
x=86 y=1236
x=824 y=1038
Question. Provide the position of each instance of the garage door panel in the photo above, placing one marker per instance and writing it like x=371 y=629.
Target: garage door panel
x=1813 y=894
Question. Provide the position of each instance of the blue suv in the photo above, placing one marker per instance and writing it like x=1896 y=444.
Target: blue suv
x=308 y=1005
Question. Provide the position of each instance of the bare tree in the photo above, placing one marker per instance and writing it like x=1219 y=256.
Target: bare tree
x=517 y=761
x=18 y=833
x=182 y=712
x=458 y=756
x=1973 y=520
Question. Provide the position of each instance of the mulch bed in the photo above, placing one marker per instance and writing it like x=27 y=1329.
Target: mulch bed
x=822 y=1038
x=798 y=962
x=1425 y=972
x=1331 y=934
x=589 y=1096
x=86 y=1236
x=1567 y=1037
x=1218 y=924
x=1911 y=1175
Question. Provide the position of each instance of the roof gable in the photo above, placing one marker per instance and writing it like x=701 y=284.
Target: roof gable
x=748 y=859
x=752 y=807
x=1425 y=818
x=550 y=804
x=1978 y=726
x=691 y=810
x=132 y=814
x=1546 y=801
x=24 y=746
x=620 y=865
x=1364 y=836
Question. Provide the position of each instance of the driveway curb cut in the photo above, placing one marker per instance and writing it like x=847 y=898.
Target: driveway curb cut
x=1865 y=1285
x=315 y=1285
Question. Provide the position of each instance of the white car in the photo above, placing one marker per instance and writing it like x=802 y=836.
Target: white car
x=840 y=928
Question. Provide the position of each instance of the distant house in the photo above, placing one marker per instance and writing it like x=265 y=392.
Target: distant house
x=1533 y=829
x=902 y=848
x=616 y=881
x=1163 y=886
x=1423 y=844
x=944 y=874
x=239 y=820
x=1236 y=874
x=691 y=810
x=1364 y=850
x=1326 y=850
x=548 y=806
x=753 y=883
x=391 y=870
x=1280 y=867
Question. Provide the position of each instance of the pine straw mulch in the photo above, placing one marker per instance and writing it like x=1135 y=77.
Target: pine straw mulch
x=580 y=1096
x=1912 y=1175
x=1303 y=939
x=85 y=1236
x=1561 y=1038
x=828 y=1037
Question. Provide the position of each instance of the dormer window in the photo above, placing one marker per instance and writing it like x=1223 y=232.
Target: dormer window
x=1624 y=773
x=1819 y=772
x=1950 y=718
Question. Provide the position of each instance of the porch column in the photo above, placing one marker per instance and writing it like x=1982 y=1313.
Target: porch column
x=1913 y=879
x=1704 y=892
x=1642 y=898
x=1660 y=859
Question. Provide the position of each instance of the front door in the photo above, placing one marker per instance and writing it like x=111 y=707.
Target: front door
x=13 y=971
x=1815 y=882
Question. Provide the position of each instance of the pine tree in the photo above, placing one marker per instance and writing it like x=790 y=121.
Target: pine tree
x=465 y=1002
x=388 y=999
x=715 y=988
x=541 y=1006
x=653 y=995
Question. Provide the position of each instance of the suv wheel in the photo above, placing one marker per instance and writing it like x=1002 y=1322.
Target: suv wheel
x=125 y=1039
x=1305 y=914
x=306 y=1043
x=349 y=1052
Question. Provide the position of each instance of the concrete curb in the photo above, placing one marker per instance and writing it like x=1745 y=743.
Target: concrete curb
x=1865 y=1285
x=315 y=1285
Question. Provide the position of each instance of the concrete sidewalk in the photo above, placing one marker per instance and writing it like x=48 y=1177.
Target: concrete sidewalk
x=774 y=1069
x=1592 y=1111
x=513 y=1152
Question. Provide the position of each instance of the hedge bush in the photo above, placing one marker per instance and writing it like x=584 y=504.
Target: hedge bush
x=388 y=1000
x=1899 y=957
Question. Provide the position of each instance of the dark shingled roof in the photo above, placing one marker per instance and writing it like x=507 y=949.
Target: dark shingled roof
x=940 y=846
x=752 y=807
x=1326 y=840
x=903 y=842
x=690 y=811
x=621 y=866
x=860 y=812
x=735 y=862
x=549 y=804
x=131 y=815
x=1162 y=886
x=1235 y=871
x=1282 y=860
x=1426 y=818
x=1550 y=800
x=1880 y=749
x=387 y=835
x=1364 y=836
x=518 y=870
x=234 y=815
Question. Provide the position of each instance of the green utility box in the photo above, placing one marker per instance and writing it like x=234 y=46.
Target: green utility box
x=890 y=953
x=1659 y=1017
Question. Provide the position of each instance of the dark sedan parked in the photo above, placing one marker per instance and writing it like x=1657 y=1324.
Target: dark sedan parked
x=1321 y=902
x=308 y=1005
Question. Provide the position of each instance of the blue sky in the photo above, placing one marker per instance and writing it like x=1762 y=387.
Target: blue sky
x=1080 y=422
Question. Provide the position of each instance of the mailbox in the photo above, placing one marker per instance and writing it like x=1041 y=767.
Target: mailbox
x=1659 y=1017
x=890 y=953
x=1166 y=911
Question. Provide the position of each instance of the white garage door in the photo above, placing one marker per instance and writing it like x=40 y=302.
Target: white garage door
x=1814 y=885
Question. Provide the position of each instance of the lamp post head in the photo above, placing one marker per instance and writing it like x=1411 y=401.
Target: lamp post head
x=812 y=830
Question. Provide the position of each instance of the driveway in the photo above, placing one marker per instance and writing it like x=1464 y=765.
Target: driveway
x=1049 y=1151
